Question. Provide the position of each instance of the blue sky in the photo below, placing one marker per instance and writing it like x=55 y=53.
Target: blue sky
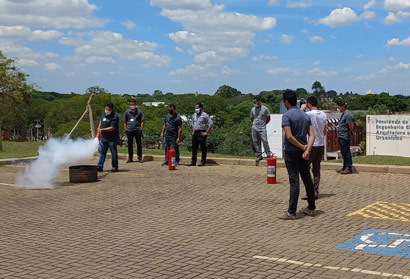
x=131 y=46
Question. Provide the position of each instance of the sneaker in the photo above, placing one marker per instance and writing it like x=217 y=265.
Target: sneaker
x=191 y=164
x=140 y=161
x=309 y=212
x=114 y=170
x=288 y=216
x=176 y=163
x=100 y=169
x=164 y=164
x=129 y=161
x=346 y=171
x=339 y=171
x=304 y=198
x=316 y=195
x=259 y=158
x=201 y=164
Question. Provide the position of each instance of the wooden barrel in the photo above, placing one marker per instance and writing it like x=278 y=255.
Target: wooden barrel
x=83 y=174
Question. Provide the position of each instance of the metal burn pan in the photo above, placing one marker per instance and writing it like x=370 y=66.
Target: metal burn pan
x=83 y=174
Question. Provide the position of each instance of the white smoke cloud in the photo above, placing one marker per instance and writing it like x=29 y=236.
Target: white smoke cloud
x=54 y=154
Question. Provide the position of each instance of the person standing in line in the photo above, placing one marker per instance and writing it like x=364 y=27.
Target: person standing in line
x=299 y=139
x=133 y=126
x=319 y=121
x=108 y=128
x=260 y=117
x=201 y=126
x=344 y=133
x=172 y=128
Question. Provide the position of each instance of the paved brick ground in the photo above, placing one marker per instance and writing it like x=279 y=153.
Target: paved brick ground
x=147 y=222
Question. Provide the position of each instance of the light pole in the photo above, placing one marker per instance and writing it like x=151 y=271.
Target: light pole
x=38 y=126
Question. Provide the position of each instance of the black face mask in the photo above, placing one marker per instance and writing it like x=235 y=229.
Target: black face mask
x=171 y=111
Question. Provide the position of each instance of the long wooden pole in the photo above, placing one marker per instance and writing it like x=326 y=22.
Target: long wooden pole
x=90 y=115
x=82 y=116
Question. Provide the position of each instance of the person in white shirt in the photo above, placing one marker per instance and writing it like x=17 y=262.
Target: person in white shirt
x=319 y=123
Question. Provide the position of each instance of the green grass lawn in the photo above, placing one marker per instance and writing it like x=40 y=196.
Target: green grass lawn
x=380 y=160
x=12 y=149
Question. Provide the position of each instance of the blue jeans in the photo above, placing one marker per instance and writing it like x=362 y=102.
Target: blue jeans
x=168 y=143
x=104 y=145
x=347 y=156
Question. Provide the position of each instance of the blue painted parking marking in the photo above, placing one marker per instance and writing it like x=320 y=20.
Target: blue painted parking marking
x=382 y=242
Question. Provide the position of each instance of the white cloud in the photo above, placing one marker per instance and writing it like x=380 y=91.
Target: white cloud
x=276 y=71
x=26 y=62
x=359 y=56
x=395 y=70
x=213 y=33
x=69 y=74
x=344 y=16
x=305 y=31
x=391 y=59
x=397 y=42
x=40 y=35
x=111 y=44
x=14 y=32
x=318 y=72
x=392 y=17
x=316 y=39
x=49 y=13
x=203 y=71
x=264 y=57
x=129 y=24
x=316 y=63
x=286 y=39
x=274 y=2
x=99 y=59
x=394 y=5
x=402 y=66
x=52 y=67
x=369 y=5
x=290 y=4
x=178 y=49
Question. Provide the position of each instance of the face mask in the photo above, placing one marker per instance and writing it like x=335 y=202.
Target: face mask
x=133 y=107
x=197 y=110
x=171 y=111
x=107 y=112
x=255 y=105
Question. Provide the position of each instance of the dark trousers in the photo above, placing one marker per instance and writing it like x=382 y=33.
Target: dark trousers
x=198 y=140
x=315 y=159
x=296 y=165
x=130 y=136
x=104 y=145
x=168 y=143
x=347 y=156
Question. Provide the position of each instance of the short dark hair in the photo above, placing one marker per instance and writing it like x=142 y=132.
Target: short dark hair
x=172 y=106
x=110 y=105
x=342 y=103
x=312 y=100
x=132 y=100
x=257 y=98
x=290 y=96
x=199 y=104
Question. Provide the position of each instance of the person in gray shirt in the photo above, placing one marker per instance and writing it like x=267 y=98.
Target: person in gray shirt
x=133 y=126
x=201 y=126
x=260 y=116
x=344 y=133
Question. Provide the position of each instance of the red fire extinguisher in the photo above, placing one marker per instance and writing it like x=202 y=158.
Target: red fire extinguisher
x=171 y=158
x=98 y=135
x=272 y=170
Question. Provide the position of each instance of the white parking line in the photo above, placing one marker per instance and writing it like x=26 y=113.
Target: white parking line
x=358 y=270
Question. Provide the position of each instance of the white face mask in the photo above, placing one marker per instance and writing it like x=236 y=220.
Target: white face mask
x=107 y=112
x=197 y=110
x=255 y=105
x=133 y=107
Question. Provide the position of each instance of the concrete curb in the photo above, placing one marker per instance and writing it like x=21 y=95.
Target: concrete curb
x=247 y=162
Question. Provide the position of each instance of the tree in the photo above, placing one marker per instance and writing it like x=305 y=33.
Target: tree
x=95 y=90
x=13 y=88
x=301 y=93
x=157 y=94
x=227 y=92
x=319 y=90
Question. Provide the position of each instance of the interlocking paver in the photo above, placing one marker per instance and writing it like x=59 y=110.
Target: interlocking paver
x=148 y=222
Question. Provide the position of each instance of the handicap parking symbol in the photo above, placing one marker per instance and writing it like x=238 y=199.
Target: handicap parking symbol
x=382 y=242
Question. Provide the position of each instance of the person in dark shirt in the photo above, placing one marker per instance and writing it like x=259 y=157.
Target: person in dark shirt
x=108 y=128
x=133 y=127
x=297 y=127
x=344 y=132
x=172 y=130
